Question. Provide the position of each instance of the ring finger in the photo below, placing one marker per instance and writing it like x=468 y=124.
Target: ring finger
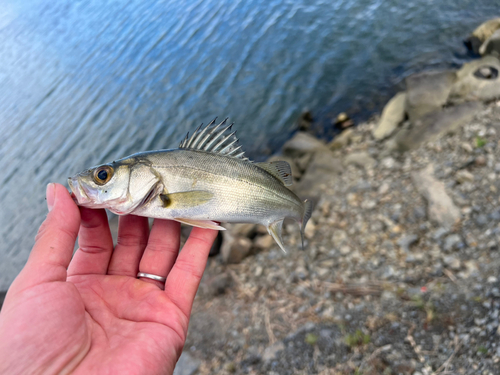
x=161 y=251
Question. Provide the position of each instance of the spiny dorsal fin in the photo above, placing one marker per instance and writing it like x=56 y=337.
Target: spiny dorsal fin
x=214 y=138
x=279 y=169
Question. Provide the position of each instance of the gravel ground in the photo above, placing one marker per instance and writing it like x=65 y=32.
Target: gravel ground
x=400 y=274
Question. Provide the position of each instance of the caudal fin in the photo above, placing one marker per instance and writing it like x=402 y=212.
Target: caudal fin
x=305 y=218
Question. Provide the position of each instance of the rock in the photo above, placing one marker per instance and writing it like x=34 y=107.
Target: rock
x=322 y=168
x=186 y=365
x=451 y=242
x=360 y=159
x=440 y=206
x=271 y=352
x=343 y=121
x=310 y=230
x=464 y=176
x=235 y=248
x=481 y=34
x=344 y=250
x=264 y=242
x=341 y=140
x=241 y=230
x=481 y=220
x=436 y=124
x=427 y=92
x=305 y=121
x=303 y=162
x=452 y=262
x=406 y=242
x=384 y=188
x=302 y=143
x=472 y=85
x=480 y=161
x=492 y=45
x=392 y=115
x=341 y=117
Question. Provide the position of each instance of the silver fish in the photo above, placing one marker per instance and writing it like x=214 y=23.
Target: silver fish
x=205 y=181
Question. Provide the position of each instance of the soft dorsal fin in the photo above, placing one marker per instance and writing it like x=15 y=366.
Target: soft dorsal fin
x=217 y=139
x=279 y=169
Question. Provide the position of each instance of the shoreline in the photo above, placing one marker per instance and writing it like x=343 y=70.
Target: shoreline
x=400 y=272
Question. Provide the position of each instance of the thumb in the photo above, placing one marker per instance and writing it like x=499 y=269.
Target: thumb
x=55 y=241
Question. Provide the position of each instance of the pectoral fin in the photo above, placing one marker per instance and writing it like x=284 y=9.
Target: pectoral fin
x=274 y=230
x=185 y=199
x=201 y=223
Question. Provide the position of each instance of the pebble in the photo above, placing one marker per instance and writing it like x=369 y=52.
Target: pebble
x=369 y=204
x=492 y=279
x=464 y=176
x=451 y=242
x=439 y=233
x=452 y=262
x=388 y=163
x=481 y=220
x=344 y=250
x=384 y=188
x=360 y=159
x=310 y=230
x=271 y=352
x=480 y=160
x=406 y=242
x=258 y=271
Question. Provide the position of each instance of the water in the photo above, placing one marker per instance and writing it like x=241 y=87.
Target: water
x=83 y=82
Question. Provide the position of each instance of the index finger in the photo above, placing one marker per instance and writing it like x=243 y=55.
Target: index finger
x=185 y=276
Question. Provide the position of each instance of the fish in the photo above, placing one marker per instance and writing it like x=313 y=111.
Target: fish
x=206 y=181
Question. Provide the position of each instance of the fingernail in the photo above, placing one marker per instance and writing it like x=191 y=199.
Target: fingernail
x=51 y=195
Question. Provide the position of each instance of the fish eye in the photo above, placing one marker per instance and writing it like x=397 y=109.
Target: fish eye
x=103 y=174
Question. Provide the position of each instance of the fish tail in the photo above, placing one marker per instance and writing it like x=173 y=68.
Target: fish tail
x=305 y=218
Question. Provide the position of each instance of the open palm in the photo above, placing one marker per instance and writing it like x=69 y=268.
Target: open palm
x=89 y=313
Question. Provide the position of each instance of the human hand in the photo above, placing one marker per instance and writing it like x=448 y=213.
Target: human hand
x=90 y=314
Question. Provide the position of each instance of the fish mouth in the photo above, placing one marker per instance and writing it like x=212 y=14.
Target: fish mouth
x=78 y=193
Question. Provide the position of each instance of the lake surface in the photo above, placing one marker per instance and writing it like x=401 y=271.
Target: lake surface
x=86 y=82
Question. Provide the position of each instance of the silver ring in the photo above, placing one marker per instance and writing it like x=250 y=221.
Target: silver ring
x=152 y=277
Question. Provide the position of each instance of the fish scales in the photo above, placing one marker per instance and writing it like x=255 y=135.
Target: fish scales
x=205 y=181
x=242 y=191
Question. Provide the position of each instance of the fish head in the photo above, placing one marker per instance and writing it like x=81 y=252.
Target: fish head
x=121 y=186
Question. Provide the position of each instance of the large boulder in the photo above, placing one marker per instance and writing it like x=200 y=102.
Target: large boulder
x=477 y=80
x=322 y=168
x=302 y=143
x=492 y=45
x=427 y=92
x=392 y=115
x=436 y=124
x=440 y=206
x=481 y=34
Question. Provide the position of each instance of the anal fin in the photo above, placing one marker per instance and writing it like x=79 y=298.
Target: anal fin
x=207 y=224
x=274 y=230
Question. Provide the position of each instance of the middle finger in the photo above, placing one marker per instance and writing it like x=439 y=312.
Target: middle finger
x=133 y=232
